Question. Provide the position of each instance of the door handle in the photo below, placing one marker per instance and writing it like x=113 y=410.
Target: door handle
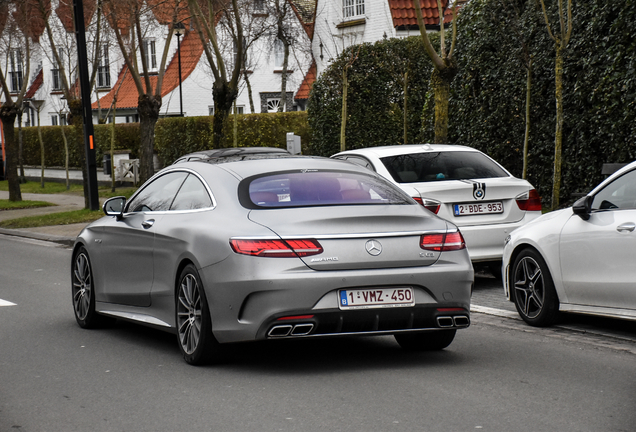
x=150 y=222
x=626 y=227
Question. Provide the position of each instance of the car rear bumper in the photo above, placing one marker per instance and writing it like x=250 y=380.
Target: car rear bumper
x=367 y=321
x=247 y=305
x=486 y=242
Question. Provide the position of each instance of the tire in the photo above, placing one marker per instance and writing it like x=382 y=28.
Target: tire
x=533 y=290
x=194 y=325
x=83 y=291
x=426 y=341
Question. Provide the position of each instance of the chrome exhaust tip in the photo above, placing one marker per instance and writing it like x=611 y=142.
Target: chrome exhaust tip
x=280 y=331
x=302 y=329
x=461 y=321
x=445 y=321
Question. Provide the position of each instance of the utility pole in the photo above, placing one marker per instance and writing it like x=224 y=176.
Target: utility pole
x=89 y=144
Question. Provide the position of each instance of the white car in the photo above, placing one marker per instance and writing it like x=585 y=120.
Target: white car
x=462 y=185
x=580 y=259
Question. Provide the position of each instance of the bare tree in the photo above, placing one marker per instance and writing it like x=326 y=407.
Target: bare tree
x=205 y=15
x=444 y=67
x=132 y=21
x=17 y=31
x=561 y=41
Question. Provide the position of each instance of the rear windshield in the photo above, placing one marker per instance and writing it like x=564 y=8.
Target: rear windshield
x=319 y=188
x=436 y=166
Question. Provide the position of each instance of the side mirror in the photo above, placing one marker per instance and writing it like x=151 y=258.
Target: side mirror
x=115 y=207
x=583 y=207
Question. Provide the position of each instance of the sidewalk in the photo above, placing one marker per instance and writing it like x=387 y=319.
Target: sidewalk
x=64 y=234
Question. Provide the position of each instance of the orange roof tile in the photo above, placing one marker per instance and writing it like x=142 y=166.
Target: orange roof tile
x=64 y=12
x=403 y=13
x=126 y=91
x=35 y=85
x=308 y=82
x=306 y=12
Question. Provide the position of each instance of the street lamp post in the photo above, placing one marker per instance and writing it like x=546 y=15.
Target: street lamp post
x=179 y=30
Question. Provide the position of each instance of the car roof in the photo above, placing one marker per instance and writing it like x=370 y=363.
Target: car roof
x=394 y=150
x=231 y=151
x=251 y=165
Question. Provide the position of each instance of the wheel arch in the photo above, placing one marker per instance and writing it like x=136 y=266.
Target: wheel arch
x=513 y=257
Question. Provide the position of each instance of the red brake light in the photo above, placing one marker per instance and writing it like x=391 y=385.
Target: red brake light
x=430 y=205
x=530 y=201
x=443 y=242
x=276 y=248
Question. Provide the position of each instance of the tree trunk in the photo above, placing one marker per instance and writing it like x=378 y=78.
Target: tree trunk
x=249 y=91
x=77 y=121
x=20 y=141
x=223 y=96
x=406 y=106
x=441 y=91
x=343 y=122
x=283 y=82
x=558 y=136
x=526 y=137
x=68 y=183
x=148 y=107
x=41 y=151
x=8 y=114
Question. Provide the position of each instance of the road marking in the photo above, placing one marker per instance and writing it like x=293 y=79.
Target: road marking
x=496 y=312
x=6 y=303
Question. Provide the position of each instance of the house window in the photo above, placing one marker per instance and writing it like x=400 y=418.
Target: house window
x=259 y=6
x=151 y=54
x=15 y=69
x=240 y=109
x=273 y=104
x=63 y=120
x=103 y=68
x=54 y=120
x=353 y=8
x=55 y=77
x=279 y=53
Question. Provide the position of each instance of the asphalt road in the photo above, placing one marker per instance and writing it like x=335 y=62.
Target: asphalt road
x=498 y=375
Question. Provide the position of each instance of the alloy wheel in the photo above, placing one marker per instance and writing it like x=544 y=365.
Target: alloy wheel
x=529 y=287
x=189 y=314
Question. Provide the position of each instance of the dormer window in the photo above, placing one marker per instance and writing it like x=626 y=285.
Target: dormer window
x=15 y=69
x=103 y=68
x=352 y=8
x=151 y=54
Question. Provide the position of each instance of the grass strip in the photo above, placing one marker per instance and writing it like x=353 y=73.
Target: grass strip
x=63 y=218
x=18 y=205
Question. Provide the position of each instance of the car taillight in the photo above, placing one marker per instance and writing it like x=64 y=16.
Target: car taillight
x=529 y=201
x=443 y=242
x=276 y=248
x=429 y=204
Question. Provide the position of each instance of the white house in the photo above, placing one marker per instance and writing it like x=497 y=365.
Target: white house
x=263 y=67
x=342 y=23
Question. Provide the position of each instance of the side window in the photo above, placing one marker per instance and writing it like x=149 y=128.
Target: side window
x=158 y=195
x=192 y=195
x=619 y=194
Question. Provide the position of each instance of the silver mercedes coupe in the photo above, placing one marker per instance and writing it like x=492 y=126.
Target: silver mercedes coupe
x=272 y=246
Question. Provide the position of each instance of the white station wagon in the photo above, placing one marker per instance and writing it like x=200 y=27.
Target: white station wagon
x=462 y=185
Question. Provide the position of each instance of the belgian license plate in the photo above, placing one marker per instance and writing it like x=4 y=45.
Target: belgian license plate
x=478 y=208
x=377 y=298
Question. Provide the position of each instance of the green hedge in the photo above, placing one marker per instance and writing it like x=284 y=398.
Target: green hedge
x=488 y=101
x=177 y=136
x=487 y=106
x=375 y=99
x=174 y=137
x=127 y=137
